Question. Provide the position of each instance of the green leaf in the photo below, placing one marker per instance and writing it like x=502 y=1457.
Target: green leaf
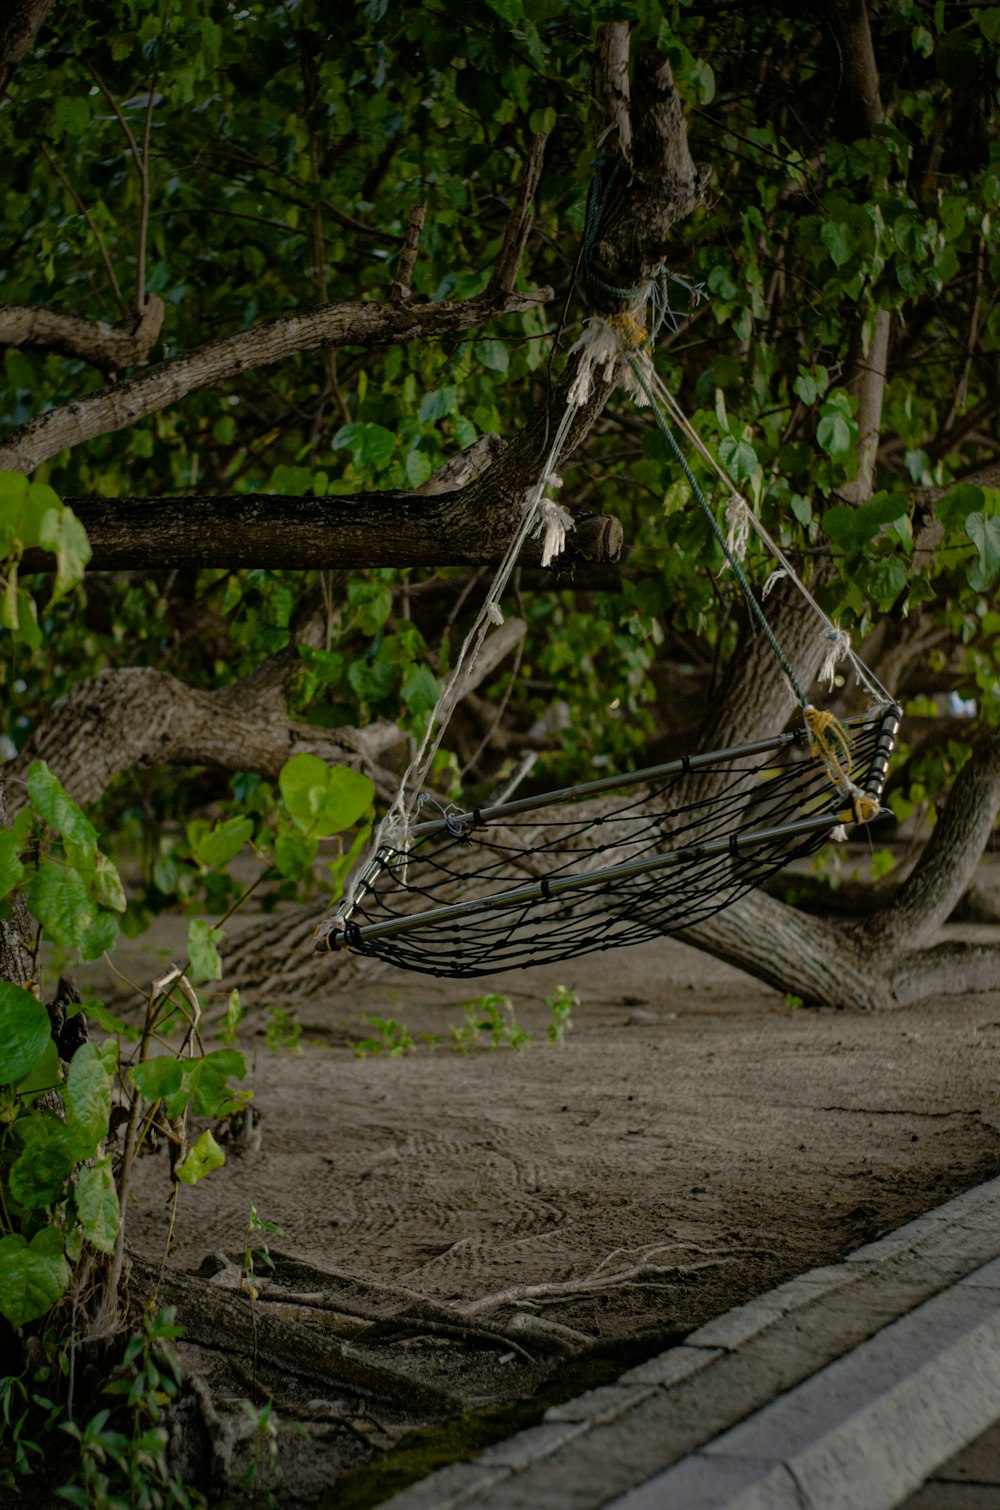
x=88 y=1099
x=955 y=506
x=72 y=115
x=805 y=387
x=838 y=238
x=11 y=869
x=10 y=616
x=26 y=626
x=984 y=532
x=369 y=445
x=303 y=781
x=63 y=533
x=160 y=1080
x=24 y=1032
x=323 y=799
x=888 y=580
x=224 y=842
x=420 y=689
x=13 y=495
x=493 y=354
x=99 y=937
x=838 y=522
x=59 y=899
x=205 y=1080
x=106 y=885
x=203 y=950
x=417 y=468
x=97 y=1204
x=38 y=1176
x=293 y=482
x=44 y=1073
x=372 y=679
x=52 y=802
x=373 y=603
x=294 y=854
x=836 y=431
x=436 y=405
x=202 y=1158
x=33 y=1276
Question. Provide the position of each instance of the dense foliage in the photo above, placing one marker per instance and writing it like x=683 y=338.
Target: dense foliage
x=239 y=162
x=246 y=165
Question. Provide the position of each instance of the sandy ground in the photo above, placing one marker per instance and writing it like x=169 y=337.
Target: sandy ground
x=691 y=1143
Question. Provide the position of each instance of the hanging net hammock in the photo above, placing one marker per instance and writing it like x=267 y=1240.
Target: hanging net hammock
x=626 y=858
x=547 y=878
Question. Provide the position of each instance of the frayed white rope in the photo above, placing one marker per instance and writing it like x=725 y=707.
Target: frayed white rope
x=600 y=351
x=838 y=646
x=772 y=580
x=555 y=522
x=737 y=526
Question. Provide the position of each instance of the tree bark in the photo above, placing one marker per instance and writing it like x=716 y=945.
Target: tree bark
x=15 y=931
x=22 y=20
x=139 y=716
x=469 y=527
x=664 y=186
x=96 y=341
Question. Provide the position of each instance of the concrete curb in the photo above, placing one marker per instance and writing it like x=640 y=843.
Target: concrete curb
x=843 y=1389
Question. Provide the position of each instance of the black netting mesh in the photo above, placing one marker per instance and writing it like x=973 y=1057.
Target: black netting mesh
x=610 y=863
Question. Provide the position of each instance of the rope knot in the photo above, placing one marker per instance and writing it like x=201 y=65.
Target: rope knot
x=830 y=744
x=631 y=333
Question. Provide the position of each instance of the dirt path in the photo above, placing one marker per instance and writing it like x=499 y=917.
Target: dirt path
x=691 y=1143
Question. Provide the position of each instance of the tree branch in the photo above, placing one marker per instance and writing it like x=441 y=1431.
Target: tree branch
x=366 y=530
x=860 y=102
x=609 y=93
x=217 y=362
x=860 y=112
x=22 y=20
x=932 y=891
x=519 y=224
x=664 y=188
x=98 y=342
x=140 y=716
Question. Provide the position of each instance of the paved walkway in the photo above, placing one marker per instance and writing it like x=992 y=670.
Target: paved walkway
x=873 y=1384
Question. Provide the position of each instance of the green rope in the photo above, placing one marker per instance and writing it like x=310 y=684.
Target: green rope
x=600 y=197
x=751 y=601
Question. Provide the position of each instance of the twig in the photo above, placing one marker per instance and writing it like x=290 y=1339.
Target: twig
x=515 y=237
x=400 y=289
x=140 y=273
x=71 y=191
x=141 y=160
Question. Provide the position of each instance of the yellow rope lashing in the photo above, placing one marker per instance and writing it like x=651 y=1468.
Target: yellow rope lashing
x=864 y=808
x=831 y=745
x=631 y=331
